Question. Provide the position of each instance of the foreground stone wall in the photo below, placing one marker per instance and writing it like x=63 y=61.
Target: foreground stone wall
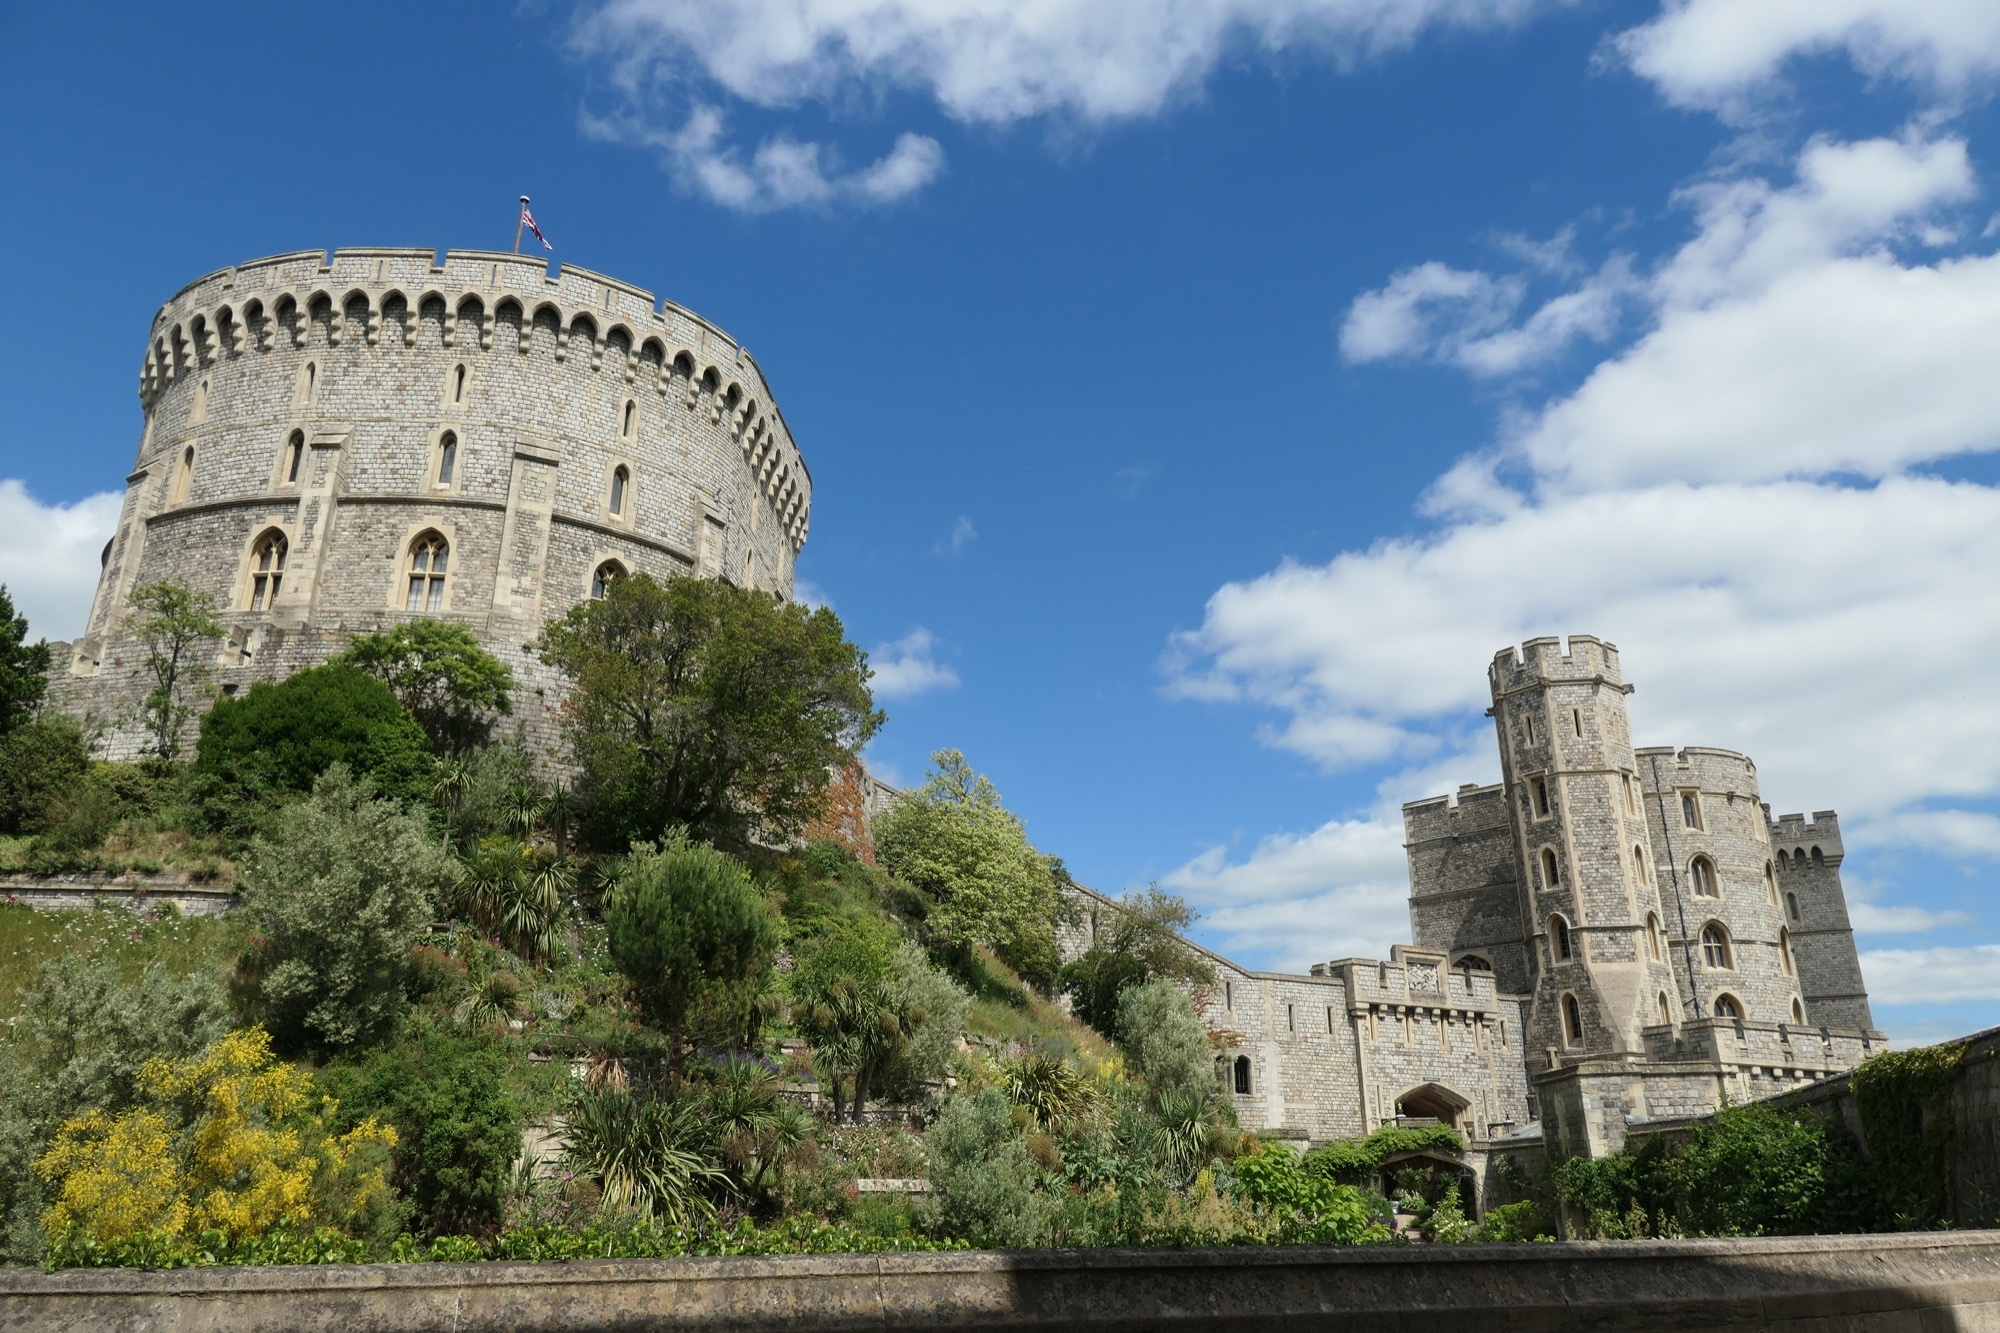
x=1827 y=1284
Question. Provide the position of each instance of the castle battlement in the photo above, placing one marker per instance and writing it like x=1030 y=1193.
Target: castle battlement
x=1801 y=836
x=1547 y=659
x=1471 y=809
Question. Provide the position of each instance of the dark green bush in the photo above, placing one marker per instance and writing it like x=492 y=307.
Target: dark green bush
x=39 y=762
x=281 y=738
x=457 y=1122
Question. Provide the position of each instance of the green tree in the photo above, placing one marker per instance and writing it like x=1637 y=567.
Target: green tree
x=281 y=737
x=334 y=901
x=848 y=1006
x=698 y=704
x=1136 y=941
x=24 y=667
x=457 y=1120
x=443 y=678
x=1165 y=1043
x=688 y=927
x=174 y=622
x=82 y=1033
x=955 y=841
x=40 y=761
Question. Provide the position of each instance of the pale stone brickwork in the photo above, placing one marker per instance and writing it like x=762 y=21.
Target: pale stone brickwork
x=590 y=427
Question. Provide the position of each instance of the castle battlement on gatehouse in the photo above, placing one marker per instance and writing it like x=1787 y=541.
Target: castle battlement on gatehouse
x=338 y=441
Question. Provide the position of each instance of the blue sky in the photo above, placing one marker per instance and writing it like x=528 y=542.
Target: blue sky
x=1197 y=394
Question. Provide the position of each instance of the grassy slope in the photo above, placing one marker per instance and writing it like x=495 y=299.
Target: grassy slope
x=182 y=946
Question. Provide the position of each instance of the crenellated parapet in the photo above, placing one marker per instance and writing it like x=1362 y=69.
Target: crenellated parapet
x=484 y=302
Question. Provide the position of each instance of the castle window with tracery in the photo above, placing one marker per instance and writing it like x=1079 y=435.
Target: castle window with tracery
x=1702 y=872
x=1715 y=946
x=1727 y=1007
x=428 y=556
x=267 y=570
x=607 y=574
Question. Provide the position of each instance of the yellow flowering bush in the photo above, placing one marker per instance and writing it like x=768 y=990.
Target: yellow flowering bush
x=229 y=1142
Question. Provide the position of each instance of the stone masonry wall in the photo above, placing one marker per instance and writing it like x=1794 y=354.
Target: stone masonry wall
x=368 y=359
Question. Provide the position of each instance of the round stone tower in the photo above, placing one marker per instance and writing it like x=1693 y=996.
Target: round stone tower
x=336 y=443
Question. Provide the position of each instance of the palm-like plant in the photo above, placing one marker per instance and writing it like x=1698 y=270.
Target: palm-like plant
x=650 y=1153
x=492 y=1002
x=448 y=783
x=514 y=892
x=1183 y=1135
x=855 y=1027
x=1049 y=1088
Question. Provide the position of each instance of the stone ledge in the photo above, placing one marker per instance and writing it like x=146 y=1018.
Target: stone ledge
x=1822 y=1284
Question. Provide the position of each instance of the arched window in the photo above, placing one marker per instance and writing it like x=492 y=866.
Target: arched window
x=1691 y=809
x=267 y=570
x=1572 y=1019
x=1792 y=906
x=1559 y=937
x=1715 y=946
x=1819 y=861
x=1785 y=951
x=1243 y=1075
x=1770 y=884
x=1702 y=872
x=1726 y=1007
x=621 y=477
x=1666 y=1011
x=447 y=458
x=200 y=408
x=607 y=574
x=630 y=420
x=295 y=453
x=1653 y=949
x=1550 y=875
x=1540 y=787
x=308 y=382
x=1798 y=1012
x=1639 y=864
x=428 y=554
x=184 y=476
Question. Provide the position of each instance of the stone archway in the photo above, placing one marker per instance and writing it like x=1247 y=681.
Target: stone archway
x=1433 y=1101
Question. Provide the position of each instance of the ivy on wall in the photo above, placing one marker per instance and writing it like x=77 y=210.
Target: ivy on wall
x=1355 y=1161
x=1906 y=1117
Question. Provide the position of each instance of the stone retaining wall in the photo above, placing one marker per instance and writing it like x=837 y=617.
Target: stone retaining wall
x=1826 y=1284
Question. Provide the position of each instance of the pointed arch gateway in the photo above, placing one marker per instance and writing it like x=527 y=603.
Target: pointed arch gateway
x=1434 y=1101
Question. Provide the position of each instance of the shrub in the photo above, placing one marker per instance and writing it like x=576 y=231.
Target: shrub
x=457 y=1121
x=1164 y=1041
x=24 y=667
x=227 y=1141
x=1307 y=1209
x=1134 y=943
x=39 y=762
x=283 y=737
x=651 y=1153
x=1358 y=1161
x=688 y=927
x=984 y=1177
x=335 y=900
x=79 y=1044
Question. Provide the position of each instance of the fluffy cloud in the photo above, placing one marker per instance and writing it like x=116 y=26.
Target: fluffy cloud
x=962 y=535
x=1942 y=975
x=49 y=556
x=998 y=60
x=1467 y=318
x=782 y=172
x=907 y=668
x=1695 y=500
x=1725 y=55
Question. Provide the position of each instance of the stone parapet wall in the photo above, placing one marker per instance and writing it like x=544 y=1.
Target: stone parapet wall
x=1823 y=1284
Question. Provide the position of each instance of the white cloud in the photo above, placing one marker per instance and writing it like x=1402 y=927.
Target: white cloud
x=1466 y=318
x=783 y=172
x=1932 y=976
x=998 y=60
x=963 y=534
x=1695 y=501
x=907 y=668
x=1875 y=919
x=49 y=556
x=1726 y=55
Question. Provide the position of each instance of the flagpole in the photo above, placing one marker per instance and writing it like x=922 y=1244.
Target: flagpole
x=520 y=218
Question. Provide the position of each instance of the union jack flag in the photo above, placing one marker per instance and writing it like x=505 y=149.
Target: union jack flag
x=529 y=219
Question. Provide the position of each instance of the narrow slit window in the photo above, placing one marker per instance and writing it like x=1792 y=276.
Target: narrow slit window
x=1572 y=1019
x=630 y=420
x=1576 y=721
x=458 y=385
x=184 y=478
x=1690 y=810
x=1666 y=1011
x=447 y=466
x=1541 y=792
x=1559 y=936
x=295 y=452
x=621 y=477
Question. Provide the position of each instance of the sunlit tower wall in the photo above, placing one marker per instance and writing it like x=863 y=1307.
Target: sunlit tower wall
x=1586 y=901
x=1808 y=854
x=334 y=443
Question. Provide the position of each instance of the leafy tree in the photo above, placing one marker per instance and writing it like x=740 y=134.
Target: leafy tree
x=40 y=760
x=229 y=1140
x=687 y=926
x=281 y=737
x=955 y=841
x=986 y=1181
x=1165 y=1043
x=174 y=622
x=1137 y=941
x=699 y=704
x=457 y=1121
x=81 y=1038
x=334 y=900
x=443 y=678
x=934 y=1014
x=24 y=667
x=848 y=1006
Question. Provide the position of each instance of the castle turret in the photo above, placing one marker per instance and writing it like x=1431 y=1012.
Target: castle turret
x=1590 y=910
x=1807 y=854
